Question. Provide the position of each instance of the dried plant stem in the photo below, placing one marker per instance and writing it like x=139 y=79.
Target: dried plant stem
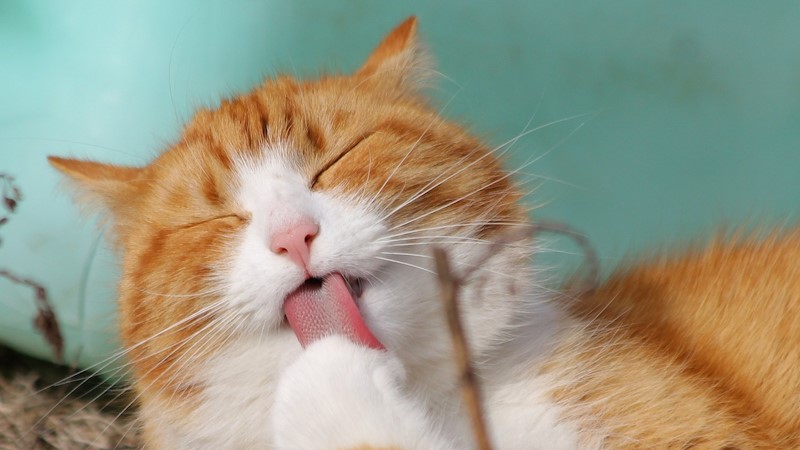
x=469 y=384
x=45 y=321
x=591 y=265
x=450 y=285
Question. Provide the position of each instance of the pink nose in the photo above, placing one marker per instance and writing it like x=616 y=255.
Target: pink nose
x=295 y=241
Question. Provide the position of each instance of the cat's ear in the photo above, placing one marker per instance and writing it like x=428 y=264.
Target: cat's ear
x=399 y=61
x=105 y=185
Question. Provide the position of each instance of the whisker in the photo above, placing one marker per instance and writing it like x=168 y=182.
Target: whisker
x=427 y=188
x=122 y=352
x=417 y=244
x=174 y=347
x=457 y=263
x=405 y=264
x=414 y=146
x=107 y=361
x=199 y=294
x=221 y=326
x=156 y=379
x=505 y=176
x=455 y=225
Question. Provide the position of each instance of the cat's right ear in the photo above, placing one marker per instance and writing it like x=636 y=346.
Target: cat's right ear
x=399 y=61
x=101 y=185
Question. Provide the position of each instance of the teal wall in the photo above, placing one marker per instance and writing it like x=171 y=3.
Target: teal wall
x=694 y=111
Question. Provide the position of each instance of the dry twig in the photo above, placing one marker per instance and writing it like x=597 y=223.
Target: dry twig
x=45 y=321
x=469 y=384
x=591 y=264
x=450 y=284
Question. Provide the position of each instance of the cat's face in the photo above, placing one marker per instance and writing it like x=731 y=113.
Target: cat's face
x=352 y=175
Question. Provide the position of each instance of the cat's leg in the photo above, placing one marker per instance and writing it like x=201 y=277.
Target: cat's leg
x=340 y=395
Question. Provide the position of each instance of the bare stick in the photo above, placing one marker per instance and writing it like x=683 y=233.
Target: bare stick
x=469 y=384
x=591 y=265
x=450 y=284
x=45 y=320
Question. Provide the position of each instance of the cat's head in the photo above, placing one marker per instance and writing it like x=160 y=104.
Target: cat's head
x=355 y=175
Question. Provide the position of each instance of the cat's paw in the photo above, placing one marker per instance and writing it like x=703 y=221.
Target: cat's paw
x=340 y=395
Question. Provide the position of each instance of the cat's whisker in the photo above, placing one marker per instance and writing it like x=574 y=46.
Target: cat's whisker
x=447 y=240
x=558 y=144
x=94 y=367
x=119 y=442
x=407 y=254
x=207 y=293
x=439 y=118
x=454 y=225
x=426 y=238
x=510 y=143
x=532 y=176
x=427 y=188
x=114 y=419
x=502 y=178
x=455 y=242
x=115 y=373
x=406 y=264
x=437 y=181
x=362 y=192
x=102 y=393
x=457 y=263
x=100 y=366
x=181 y=343
x=190 y=354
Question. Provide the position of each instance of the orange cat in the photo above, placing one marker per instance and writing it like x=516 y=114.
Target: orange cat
x=305 y=212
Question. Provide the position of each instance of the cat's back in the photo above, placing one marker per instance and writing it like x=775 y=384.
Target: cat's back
x=707 y=339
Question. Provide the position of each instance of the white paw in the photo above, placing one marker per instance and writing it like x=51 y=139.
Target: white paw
x=339 y=394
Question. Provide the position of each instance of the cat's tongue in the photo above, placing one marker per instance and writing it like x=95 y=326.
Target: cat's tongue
x=316 y=310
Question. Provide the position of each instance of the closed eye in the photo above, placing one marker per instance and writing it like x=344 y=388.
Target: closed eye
x=358 y=141
x=240 y=217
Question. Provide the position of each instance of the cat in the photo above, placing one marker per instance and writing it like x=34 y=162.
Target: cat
x=333 y=192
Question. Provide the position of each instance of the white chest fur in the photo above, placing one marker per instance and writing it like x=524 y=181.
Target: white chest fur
x=336 y=394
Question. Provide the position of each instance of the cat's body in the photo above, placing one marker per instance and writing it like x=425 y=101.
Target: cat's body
x=356 y=176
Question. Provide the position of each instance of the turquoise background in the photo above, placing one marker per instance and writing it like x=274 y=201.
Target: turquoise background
x=693 y=110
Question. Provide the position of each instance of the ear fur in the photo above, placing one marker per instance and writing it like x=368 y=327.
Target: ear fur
x=105 y=185
x=399 y=61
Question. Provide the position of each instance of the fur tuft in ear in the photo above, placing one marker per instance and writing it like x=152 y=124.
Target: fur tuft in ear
x=100 y=184
x=399 y=61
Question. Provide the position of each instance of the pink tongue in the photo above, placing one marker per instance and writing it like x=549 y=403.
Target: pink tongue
x=316 y=310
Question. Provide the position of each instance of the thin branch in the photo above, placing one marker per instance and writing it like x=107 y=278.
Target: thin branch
x=591 y=265
x=469 y=384
x=45 y=320
x=450 y=285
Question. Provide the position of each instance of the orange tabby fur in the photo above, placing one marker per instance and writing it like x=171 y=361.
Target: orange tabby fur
x=693 y=350
x=698 y=349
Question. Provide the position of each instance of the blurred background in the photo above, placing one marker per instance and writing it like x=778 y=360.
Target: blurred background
x=667 y=119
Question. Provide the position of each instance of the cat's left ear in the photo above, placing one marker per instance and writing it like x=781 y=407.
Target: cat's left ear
x=107 y=186
x=399 y=61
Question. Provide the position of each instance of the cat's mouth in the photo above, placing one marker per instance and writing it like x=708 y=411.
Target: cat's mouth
x=355 y=286
x=327 y=306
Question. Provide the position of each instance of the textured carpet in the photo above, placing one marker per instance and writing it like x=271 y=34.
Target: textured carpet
x=38 y=412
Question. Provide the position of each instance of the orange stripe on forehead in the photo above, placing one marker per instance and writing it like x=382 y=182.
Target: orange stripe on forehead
x=315 y=135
